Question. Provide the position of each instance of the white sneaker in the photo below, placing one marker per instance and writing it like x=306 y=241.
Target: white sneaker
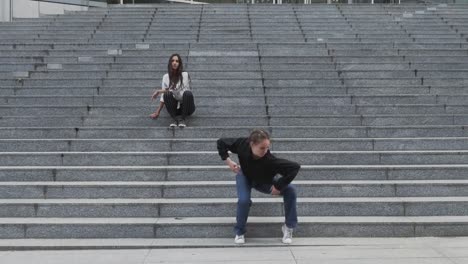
x=287 y=234
x=239 y=239
x=173 y=124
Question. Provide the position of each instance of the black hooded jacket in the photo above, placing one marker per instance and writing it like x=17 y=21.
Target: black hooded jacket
x=261 y=170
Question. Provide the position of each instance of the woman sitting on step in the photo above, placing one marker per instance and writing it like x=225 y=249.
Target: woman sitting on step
x=176 y=93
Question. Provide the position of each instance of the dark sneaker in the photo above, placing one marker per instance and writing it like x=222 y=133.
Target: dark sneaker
x=182 y=123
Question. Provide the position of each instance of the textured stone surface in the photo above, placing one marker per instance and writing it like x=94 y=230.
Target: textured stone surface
x=371 y=94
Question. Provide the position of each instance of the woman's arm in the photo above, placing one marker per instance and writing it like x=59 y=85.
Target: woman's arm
x=288 y=170
x=158 y=110
x=228 y=144
x=187 y=82
x=156 y=93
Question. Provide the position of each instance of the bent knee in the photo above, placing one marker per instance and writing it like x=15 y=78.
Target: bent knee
x=188 y=94
x=246 y=202
x=167 y=95
x=290 y=190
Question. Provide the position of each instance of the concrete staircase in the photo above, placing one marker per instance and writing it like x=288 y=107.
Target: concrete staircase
x=371 y=100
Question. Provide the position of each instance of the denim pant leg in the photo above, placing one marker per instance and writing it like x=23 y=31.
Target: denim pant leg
x=289 y=199
x=244 y=202
x=290 y=212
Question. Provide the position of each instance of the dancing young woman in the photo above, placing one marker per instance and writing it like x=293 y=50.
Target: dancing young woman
x=258 y=168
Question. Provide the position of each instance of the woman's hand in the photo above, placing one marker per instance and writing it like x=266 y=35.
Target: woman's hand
x=154 y=115
x=156 y=94
x=275 y=191
x=233 y=166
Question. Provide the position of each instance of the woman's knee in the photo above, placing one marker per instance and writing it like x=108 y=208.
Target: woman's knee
x=290 y=191
x=187 y=94
x=244 y=201
x=167 y=96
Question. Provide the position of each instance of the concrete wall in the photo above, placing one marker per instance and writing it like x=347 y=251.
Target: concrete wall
x=27 y=8
x=4 y=10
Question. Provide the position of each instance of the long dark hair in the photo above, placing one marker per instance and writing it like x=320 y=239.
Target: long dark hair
x=175 y=76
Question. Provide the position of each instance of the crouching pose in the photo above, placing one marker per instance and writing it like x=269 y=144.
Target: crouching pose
x=258 y=168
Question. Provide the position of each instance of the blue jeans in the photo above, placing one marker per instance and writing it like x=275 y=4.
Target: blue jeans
x=244 y=188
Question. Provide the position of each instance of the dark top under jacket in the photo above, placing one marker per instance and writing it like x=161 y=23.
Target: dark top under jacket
x=261 y=170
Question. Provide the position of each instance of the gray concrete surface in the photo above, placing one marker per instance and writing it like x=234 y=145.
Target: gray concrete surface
x=424 y=250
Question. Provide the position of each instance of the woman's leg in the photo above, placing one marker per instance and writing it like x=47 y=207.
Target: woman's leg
x=188 y=104
x=243 y=204
x=171 y=104
x=290 y=212
x=289 y=199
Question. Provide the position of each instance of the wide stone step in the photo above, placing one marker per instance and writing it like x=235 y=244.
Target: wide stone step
x=443 y=81
x=146 y=100
x=61 y=82
x=280 y=144
x=226 y=207
x=364 y=90
x=83 y=90
x=25 y=47
x=133 y=75
x=402 y=226
x=420 y=52
x=124 y=110
x=284 y=75
x=142 y=120
x=212 y=83
x=373 y=66
x=349 y=82
x=322 y=100
x=151 y=132
x=208 y=243
x=137 y=158
x=379 y=59
x=286 y=67
x=50 y=90
x=222 y=173
x=308 y=59
x=16 y=67
x=381 y=81
x=388 y=74
x=104 y=110
x=363 y=53
x=372 y=99
x=365 y=109
x=227 y=189
x=439 y=59
x=22 y=53
x=237 y=120
x=439 y=66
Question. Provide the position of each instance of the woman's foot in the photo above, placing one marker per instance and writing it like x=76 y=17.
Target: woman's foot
x=182 y=123
x=239 y=239
x=173 y=124
x=287 y=234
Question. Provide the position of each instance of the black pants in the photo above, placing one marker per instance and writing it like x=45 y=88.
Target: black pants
x=187 y=106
